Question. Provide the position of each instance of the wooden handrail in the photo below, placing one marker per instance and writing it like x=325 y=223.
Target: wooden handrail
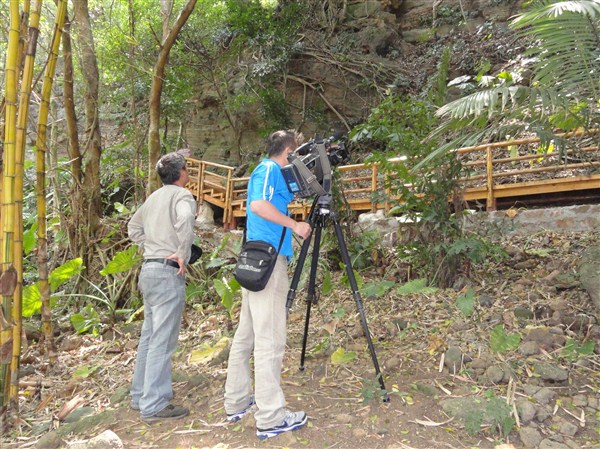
x=362 y=180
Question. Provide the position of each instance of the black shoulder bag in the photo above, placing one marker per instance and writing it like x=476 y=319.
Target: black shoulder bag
x=256 y=262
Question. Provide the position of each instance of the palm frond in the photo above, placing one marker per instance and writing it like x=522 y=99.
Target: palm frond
x=563 y=88
x=505 y=100
x=566 y=47
x=556 y=9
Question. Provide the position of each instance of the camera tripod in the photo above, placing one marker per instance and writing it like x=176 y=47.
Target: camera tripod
x=320 y=211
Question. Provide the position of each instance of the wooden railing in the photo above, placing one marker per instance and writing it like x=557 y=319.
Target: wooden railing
x=511 y=169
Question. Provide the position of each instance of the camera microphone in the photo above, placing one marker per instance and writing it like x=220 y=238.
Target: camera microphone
x=336 y=136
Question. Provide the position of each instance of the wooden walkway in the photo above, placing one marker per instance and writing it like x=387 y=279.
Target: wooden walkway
x=496 y=172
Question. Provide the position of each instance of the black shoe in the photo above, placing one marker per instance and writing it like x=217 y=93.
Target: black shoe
x=169 y=412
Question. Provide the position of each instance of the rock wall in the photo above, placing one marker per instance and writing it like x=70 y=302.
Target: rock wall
x=583 y=218
x=338 y=76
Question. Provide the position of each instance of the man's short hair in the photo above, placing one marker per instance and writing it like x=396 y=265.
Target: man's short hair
x=280 y=140
x=169 y=167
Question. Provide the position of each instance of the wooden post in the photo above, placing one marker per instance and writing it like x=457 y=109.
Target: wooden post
x=201 y=183
x=374 y=171
x=489 y=168
x=227 y=211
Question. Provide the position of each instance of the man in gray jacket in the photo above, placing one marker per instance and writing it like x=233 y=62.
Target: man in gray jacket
x=164 y=227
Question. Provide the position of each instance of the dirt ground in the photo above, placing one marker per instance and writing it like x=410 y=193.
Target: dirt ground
x=412 y=335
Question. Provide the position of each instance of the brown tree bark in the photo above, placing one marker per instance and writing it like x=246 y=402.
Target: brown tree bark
x=92 y=149
x=156 y=92
x=73 y=147
x=69 y=106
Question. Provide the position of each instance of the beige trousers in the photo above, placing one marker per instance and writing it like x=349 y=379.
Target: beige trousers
x=262 y=330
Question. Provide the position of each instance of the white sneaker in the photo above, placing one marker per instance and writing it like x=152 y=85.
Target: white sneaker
x=235 y=417
x=291 y=421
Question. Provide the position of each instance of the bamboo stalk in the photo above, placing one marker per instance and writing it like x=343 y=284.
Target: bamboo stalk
x=41 y=145
x=8 y=190
x=23 y=115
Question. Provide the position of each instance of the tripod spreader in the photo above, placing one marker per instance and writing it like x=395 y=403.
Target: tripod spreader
x=317 y=218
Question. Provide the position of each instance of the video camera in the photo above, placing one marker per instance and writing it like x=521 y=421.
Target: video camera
x=309 y=170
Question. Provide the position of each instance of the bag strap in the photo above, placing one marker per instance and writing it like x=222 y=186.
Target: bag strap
x=281 y=240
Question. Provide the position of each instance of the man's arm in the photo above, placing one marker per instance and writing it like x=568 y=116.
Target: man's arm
x=266 y=210
x=184 y=227
x=135 y=228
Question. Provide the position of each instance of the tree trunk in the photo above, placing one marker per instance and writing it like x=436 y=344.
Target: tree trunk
x=93 y=144
x=87 y=204
x=69 y=106
x=76 y=159
x=138 y=142
x=156 y=92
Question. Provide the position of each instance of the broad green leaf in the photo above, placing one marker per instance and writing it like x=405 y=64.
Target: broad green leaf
x=88 y=319
x=327 y=285
x=208 y=352
x=65 y=272
x=29 y=238
x=234 y=285
x=85 y=371
x=466 y=302
x=32 y=300
x=345 y=281
x=376 y=289
x=123 y=261
x=341 y=356
x=216 y=263
x=193 y=290
x=573 y=349
x=226 y=293
x=540 y=252
x=500 y=341
x=415 y=286
x=340 y=312
x=121 y=208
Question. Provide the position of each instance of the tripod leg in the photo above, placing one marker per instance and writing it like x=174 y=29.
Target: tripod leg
x=297 y=272
x=300 y=263
x=359 y=304
x=312 y=295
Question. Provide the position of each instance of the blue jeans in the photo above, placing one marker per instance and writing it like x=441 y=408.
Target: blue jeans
x=164 y=297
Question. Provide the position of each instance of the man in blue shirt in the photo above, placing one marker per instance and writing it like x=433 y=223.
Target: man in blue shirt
x=262 y=326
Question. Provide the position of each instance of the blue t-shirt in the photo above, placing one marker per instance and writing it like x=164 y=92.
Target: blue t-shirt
x=267 y=183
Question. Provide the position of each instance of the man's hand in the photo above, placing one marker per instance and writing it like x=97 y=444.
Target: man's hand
x=180 y=262
x=302 y=228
